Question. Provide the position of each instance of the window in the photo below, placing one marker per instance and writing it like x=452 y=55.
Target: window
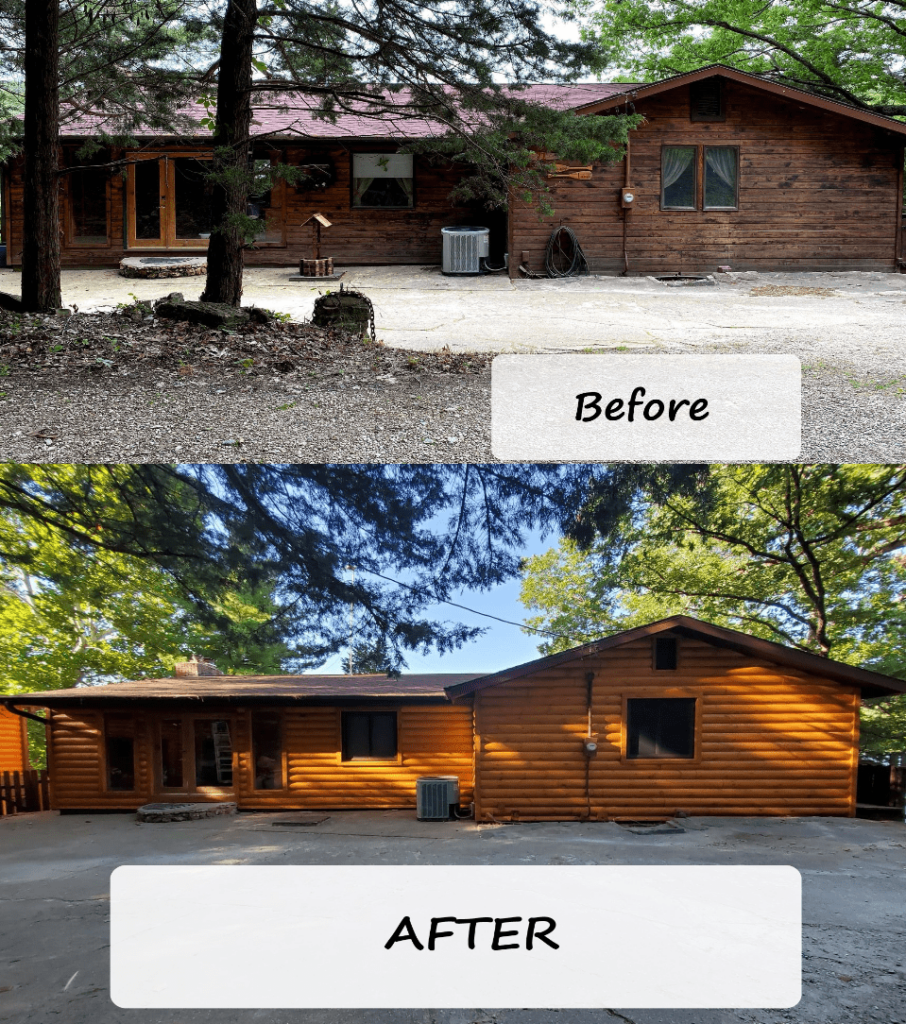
x=665 y=648
x=171 y=754
x=705 y=177
x=369 y=735
x=267 y=750
x=706 y=100
x=88 y=206
x=678 y=178
x=382 y=180
x=192 y=192
x=660 y=727
x=263 y=204
x=213 y=753
x=721 y=177
x=119 y=746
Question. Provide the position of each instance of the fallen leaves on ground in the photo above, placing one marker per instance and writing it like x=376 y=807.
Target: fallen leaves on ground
x=131 y=338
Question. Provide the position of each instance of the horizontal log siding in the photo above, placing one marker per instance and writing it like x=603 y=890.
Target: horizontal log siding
x=13 y=744
x=817 y=191
x=433 y=740
x=771 y=741
x=355 y=237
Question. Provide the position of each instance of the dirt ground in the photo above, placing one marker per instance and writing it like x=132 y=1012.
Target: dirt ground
x=55 y=870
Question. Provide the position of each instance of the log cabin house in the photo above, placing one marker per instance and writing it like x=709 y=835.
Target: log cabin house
x=677 y=715
x=727 y=170
x=13 y=742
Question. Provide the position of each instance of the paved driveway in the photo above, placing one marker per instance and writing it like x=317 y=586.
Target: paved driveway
x=55 y=871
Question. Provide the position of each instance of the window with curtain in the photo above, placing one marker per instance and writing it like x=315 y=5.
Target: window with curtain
x=678 y=165
x=700 y=178
x=721 y=177
x=382 y=180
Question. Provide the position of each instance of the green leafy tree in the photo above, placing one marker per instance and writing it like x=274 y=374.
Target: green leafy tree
x=109 y=57
x=367 y=659
x=416 y=534
x=809 y=556
x=74 y=617
x=438 y=64
x=852 y=52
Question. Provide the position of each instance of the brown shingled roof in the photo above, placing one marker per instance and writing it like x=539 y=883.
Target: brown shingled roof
x=871 y=684
x=306 y=689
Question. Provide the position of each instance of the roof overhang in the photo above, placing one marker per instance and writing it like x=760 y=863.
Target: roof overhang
x=871 y=684
x=638 y=92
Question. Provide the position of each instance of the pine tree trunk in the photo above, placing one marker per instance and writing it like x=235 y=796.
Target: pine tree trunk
x=234 y=118
x=41 y=236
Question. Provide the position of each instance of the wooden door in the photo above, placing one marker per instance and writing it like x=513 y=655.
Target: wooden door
x=195 y=756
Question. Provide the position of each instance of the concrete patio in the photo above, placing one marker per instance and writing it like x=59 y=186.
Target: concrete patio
x=846 y=317
x=55 y=872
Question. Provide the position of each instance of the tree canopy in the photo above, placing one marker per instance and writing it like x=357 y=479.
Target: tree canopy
x=852 y=52
x=415 y=534
x=810 y=556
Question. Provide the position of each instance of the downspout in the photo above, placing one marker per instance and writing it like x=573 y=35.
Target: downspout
x=626 y=211
x=23 y=714
x=589 y=685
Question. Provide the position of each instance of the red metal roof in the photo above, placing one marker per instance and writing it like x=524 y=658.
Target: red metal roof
x=293 y=115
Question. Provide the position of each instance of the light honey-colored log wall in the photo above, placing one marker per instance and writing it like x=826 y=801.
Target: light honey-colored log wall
x=770 y=740
x=13 y=743
x=432 y=740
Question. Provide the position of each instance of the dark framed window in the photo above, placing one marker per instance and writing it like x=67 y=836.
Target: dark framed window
x=267 y=749
x=383 y=181
x=679 y=178
x=369 y=735
x=660 y=727
x=721 y=178
x=119 y=748
x=700 y=177
x=706 y=100
x=665 y=653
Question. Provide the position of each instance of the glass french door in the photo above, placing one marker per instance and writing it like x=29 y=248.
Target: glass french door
x=169 y=202
x=195 y=755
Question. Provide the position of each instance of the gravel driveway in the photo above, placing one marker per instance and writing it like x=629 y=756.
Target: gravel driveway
x=847 y=329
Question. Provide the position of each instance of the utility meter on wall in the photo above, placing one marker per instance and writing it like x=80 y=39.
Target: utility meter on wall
x=627 y=197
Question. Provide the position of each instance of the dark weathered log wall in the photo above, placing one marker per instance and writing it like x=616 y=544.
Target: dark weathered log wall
x=356 y=237
x=771 y=740
x=817 y=191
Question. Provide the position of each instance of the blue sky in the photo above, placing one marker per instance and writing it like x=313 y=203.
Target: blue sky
x=500 y=647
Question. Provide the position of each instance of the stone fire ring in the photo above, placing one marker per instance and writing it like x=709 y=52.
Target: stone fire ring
x=183 y=812
x=164 y=266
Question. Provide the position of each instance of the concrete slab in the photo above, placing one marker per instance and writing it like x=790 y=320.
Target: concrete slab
x=55 y=871
x=855 y=317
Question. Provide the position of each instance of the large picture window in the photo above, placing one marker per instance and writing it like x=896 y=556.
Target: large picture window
x=660 y=727
x=700 y=177
x=369 y=735
x=382 y=180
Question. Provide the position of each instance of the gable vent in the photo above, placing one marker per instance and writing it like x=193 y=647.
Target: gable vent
x=706 y=100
